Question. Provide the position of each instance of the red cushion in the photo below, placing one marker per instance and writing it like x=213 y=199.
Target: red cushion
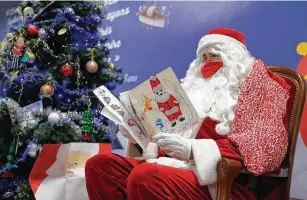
x=287 y=84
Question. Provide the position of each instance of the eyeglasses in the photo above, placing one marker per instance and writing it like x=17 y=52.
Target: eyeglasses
x=73 y=166
x=211 y=57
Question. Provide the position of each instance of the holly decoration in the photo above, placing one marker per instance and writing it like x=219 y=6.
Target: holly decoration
x=87 y=125
x=67 y=70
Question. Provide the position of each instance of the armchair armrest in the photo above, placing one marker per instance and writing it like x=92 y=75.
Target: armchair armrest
x=227 y=169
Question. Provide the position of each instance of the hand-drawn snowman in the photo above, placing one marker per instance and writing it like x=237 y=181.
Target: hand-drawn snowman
x=166 y=102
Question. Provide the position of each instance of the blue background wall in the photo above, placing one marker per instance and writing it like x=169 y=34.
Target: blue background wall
x=273 y=30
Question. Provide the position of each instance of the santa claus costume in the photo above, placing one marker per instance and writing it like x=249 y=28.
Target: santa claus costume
x=242 y=105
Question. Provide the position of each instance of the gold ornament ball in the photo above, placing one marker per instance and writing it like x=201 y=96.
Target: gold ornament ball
x=47 y=90
x=111 y=66
x=91 y=66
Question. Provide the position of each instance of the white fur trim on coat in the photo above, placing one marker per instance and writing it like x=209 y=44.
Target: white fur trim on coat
x=151 y=151
x=217 y=38
x=212 y=190
x=206 y=156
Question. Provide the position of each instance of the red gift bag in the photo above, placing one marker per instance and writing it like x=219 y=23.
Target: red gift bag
x=58 y=172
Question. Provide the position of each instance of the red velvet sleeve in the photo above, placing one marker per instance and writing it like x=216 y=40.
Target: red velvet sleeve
x=228 y=150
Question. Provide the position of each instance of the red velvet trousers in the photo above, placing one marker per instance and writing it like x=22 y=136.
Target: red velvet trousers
x=113 y=177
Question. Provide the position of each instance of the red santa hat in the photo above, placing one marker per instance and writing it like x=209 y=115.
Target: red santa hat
x=154 y=82
x=221 y=36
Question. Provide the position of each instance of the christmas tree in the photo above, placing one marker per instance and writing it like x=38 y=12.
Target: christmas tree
x=49 y=68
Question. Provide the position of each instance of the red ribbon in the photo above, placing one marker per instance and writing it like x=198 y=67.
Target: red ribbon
x=210 y=68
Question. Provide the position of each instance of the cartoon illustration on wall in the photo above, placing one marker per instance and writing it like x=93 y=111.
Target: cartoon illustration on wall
x=166 y=102
x=151 y=15
x=302 y=69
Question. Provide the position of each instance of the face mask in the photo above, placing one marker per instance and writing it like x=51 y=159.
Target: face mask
x=210 y=68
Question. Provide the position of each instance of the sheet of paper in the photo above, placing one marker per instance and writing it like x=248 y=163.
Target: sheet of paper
x=126 y=101
x=163 y=105
x=105 y=112
x=110 y=102
x=113 y=105
x=157 y=105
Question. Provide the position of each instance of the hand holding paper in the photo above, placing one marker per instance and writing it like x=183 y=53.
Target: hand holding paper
x=174 y=145
x=159 y=104
x=127 y=135
x=151 y=152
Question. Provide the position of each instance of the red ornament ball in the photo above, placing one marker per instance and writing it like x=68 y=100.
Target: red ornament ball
x=86 y=137
x=67 y=70
x=8 y=174
x=32 y=30
x=47 y=90
x=91 y=66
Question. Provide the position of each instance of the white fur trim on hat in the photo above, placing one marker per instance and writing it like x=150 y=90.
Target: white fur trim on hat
x=153 y=78
x=217 y=38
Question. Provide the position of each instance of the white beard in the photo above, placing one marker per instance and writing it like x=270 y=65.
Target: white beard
x=217 y=96
x=164 y=98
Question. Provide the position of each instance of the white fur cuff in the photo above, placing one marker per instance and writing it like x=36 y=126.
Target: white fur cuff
x=151 y=151
x=206 y=156
x=217 y=38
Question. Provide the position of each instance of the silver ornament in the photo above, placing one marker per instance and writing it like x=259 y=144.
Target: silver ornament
x=32 y=124
x=69 y=10
x=54 y=117
x=9 y=36
x=42 y=33
x=33 y=147
x=28 y=11
x=32 y=154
